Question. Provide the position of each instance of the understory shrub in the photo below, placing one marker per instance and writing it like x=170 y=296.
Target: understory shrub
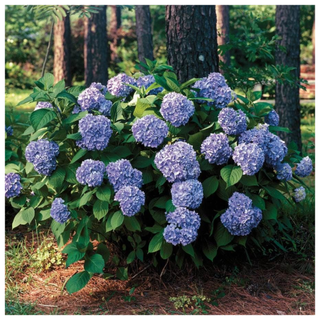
x=162 y=169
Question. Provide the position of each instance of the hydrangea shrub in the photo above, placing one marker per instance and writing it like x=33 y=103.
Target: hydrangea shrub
x=165 y=170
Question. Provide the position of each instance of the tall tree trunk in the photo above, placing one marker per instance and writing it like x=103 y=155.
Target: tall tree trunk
x=95 y=48
x=62 y=52
x=144 y=33
x=314 y=41
x=192 y=40
x=287 y=100
x=223 y=30
x=115 y=24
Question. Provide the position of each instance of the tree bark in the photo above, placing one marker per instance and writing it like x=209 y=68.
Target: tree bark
x=223 y=30
x=314 y=42
x=144 y=33
x=192 y=40
x=95 y=48
x=115 y=24
x=62 y=46
x=287 y=102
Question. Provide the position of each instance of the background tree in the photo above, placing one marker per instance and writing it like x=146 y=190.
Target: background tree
x=144 y=33
x=287 y=102
x=115 y=24
x=192 y=40
x=62 y=46
x=314 y=42
x=95 y=48
x=223 y=31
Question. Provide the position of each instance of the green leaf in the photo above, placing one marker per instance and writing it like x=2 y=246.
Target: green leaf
x=271 y=212
x=66 y=95
x=249 y=181
x=18 y=220
x=131 y=257
x=122 y=273
x=166 y=250
x=81 y=153
x=122 y=151
x=28 y=215
x=77 y=282
x=172 y=84
x=100 y=209
x=42 y=117
x=222 y=235
x=19 y=201
x=162 y=81
x=117 y=220
x=85 y=198
x=70 y=248
x=103 y=250
x=257 y=201
x=74 y=256
x=28 y=167
x=132 y=224
x=74 y=117
x=74 y=136
x=94 y=264
x=141 y=162
x=275 y=193
x=26 y=100
x=155 y=229
x=231 y=174
x=43 y=215
x=189 y=250
x=139 y=254
x=210 y=186
x=35 y=201
x=276 y=129
x=104 y=193
x=196 y=139
x=57 y=178
x=155 y=243
x=28 y=131
x=58 y=87
x=210 y=250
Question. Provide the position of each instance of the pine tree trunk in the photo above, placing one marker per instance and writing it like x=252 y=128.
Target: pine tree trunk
x=314 y=42
x=62 y=45
x=115 y=24
x=287 y=102
x=144 y=33
x=95 y=48
x=192 y=40
x=223 y=30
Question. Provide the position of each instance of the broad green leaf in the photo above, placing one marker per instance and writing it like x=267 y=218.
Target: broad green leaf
x=94 y=264
x=104 y=193
x=210 y=250
x=57 y=178
x=131 y=257
x=275 y=193
x=222 y=235
x=103 y=250
x=249 y=181
x=122 y=273
x=100 y=209
x=117 y=220
x=155 y=243
x=43 y=215
x=18 y=220
x=66 y=95
x=42 y=117
x=74 y=256
x=77 y=282
x=28 y=215
x=189 y=250
x=270 y=212
x=74 y=117
x=257 y=201
x=74 y=136
x=85 y=198
x=231 y=174
x=132 y=224
x=166 y=250
x=81 y=153
x=210 y=186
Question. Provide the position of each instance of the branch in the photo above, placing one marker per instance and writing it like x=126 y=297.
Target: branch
x=48 y=50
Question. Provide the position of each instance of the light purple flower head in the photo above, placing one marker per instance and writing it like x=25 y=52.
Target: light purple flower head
x=299 y=194
x=91 y=173
x=147 y=81
x=304 y=167
x=117 y=85
x=59 y=211
x=232 y=122
x=272 y=118
x=12 y=185
x=284 y=171
x=43 y=105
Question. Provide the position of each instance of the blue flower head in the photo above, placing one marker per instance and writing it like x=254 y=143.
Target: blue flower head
x=91 y=173
x=59 y=211
x=147 y=81
x=43 y=105
x=97 y=85
x=284 y=171
x=9 y=131
x=12 y=185
x=275 y=151
x=117 y=85
x=232 y=122
x=131 y=200
x=258 y=135
x=299 y=194
x=304 y=167
x=272 y=118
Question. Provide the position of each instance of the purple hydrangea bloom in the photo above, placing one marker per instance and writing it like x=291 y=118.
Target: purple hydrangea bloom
x=9 y=131
x=76 y=109
x=216 y=148
x=97 y=85
x=12 y=185
x=176 y=108
x=249 y=157
x=272 y=118
x=177 y=162
x=42 y=154
x=147 y=81
x=299 y=194
x=232 y=122
x=95 y=132
x=121 y=173
x=284 y=171
x=241 y=217
x=131 y=199
x=183 y=226
x=304 y=167
x=59 y=211
x=91 y=173
x=258 y=135
x=116 y=85
x=43 y=105
x=150 y=131
x=275 y=151
x=187 y=194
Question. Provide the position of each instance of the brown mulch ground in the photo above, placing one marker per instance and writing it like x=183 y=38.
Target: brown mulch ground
x=267 y=288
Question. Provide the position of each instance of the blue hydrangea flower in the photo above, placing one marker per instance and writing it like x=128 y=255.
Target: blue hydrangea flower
x=9 y=131
x=59 y=211
x=97 y=85
x=272 y=118
x=12 y=185
x=91 y=173
x=42 y=154
x=249 y=157
x=43 y=105
x=284 y=171
x=304 y=167
x=176 y=108
x=147 y=81
x=232 y=122
x=275 y=151
x=241 y=217
x=183 y=226
x=258 y=135
x=299 y=194
x=116 y=85
x=187 y=194
x=95 y=132
x=131 y=199
x=76 y=109
x=150 y=131
x=216 y=148
x=177 y=162
x=121 y=173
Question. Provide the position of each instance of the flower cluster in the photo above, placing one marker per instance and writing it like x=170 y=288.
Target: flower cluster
x=95 y=132
x=216 y=148
x=150 y=131
x=187 y=194
x=299 y=194
x=177 y=162
x=304 y=167
x=249 y=157
x=9 y=131
x=121 y=173
x=272 y=118
x=182 y=228
x=12 y=185
x=176 y=108
x=258 y=135
x=97 y=85
x=232 y=122
x=131 y=199
x=241 y=217
x=59 y=211
x=284 y=171
x=147 y=81
x=276 y=150
x=43 y=105
x=91 y=173
x=42 y=154
x=117 y=85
